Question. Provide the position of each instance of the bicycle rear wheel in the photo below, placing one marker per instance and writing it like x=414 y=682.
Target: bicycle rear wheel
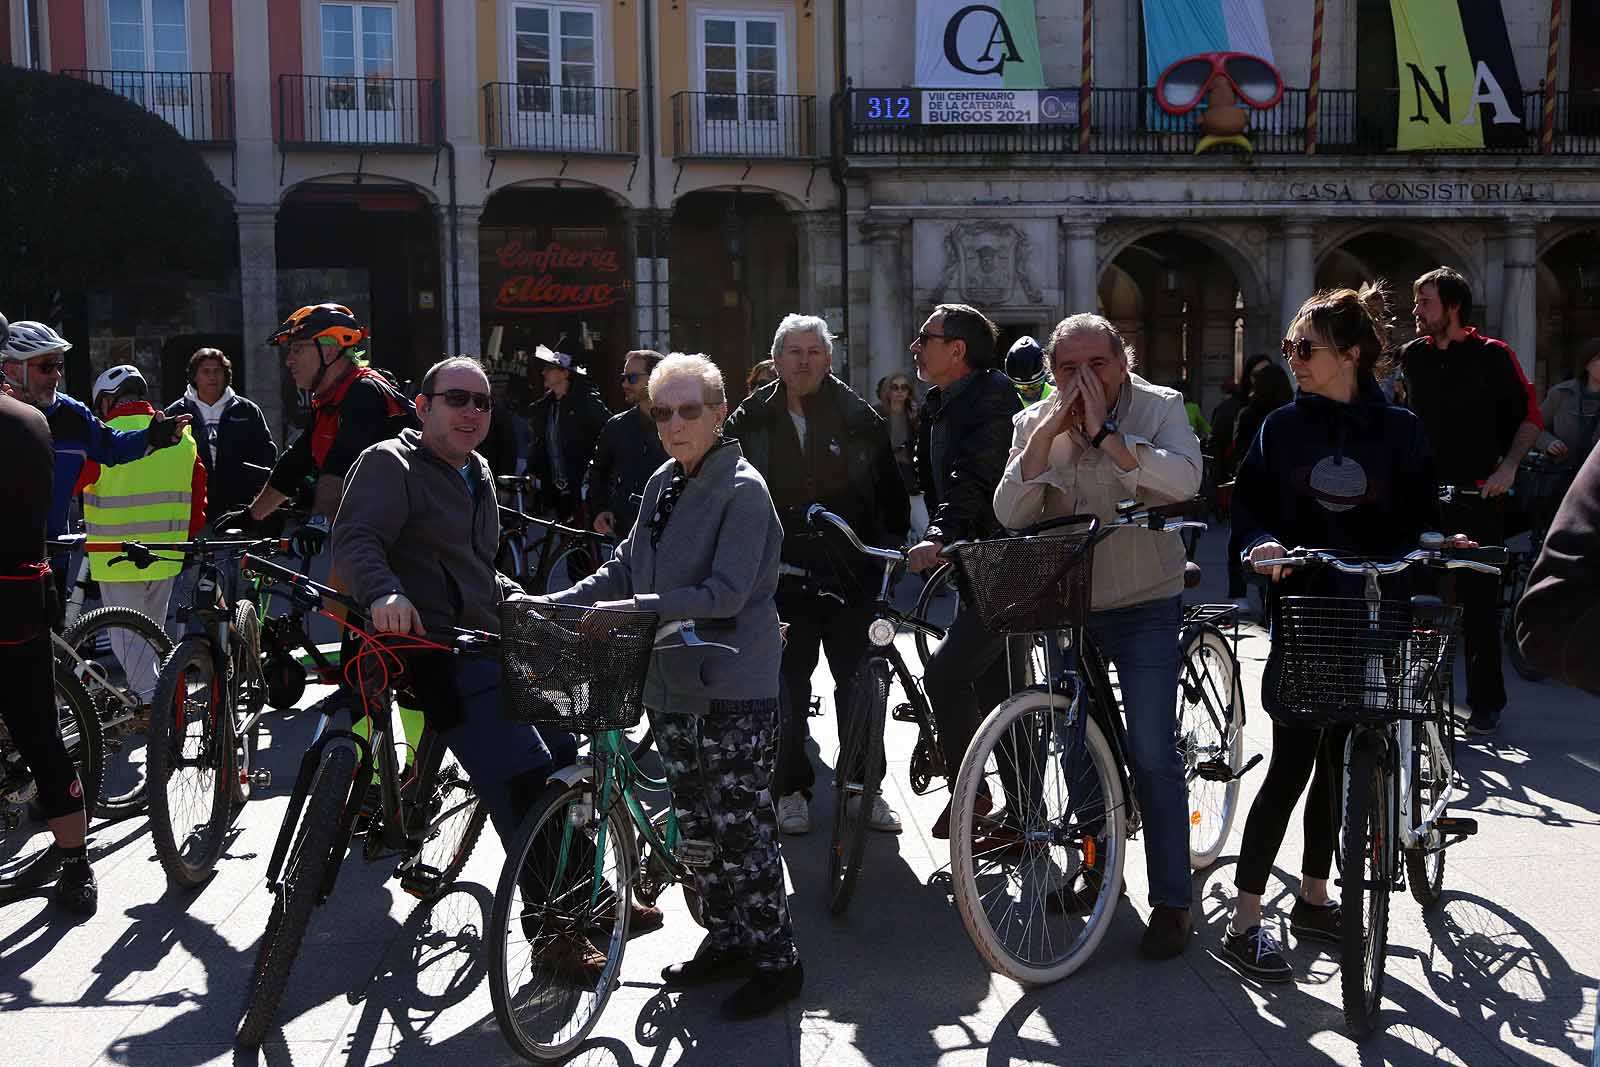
x=1425 y=869
x=1016 y=877
x=249 y=696
x=303 y=874
x=27 y=858
x=857 y=778
x=1367 y=875
x=1210 y=740
x=191 y=764
x=935 y=604
x=456 y=817
x=98 y=637
x=549 y=917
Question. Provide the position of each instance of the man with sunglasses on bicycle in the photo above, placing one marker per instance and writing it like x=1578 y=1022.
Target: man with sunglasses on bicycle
x=627 y=453
x=415 y=540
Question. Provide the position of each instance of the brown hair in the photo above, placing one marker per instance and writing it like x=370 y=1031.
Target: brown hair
x=965 y=323
x=911 y=397
x=752 y=380
x=650 y=356
x=1453 y=290
x=203 y=354
x=1344 y=317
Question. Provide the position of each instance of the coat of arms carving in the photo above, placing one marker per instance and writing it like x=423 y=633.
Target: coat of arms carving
x=986 y=262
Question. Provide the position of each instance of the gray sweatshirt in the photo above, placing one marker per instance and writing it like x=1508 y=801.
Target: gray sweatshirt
x=717 y=564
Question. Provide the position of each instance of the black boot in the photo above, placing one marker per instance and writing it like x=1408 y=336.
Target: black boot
x=76 y=890
x=710 y=964
x=764 y=991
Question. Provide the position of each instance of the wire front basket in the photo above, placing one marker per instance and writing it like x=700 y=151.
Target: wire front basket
x=1333 y=664
x=556 y=675
x=1024 y=585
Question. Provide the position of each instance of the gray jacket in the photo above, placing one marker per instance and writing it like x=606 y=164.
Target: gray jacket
x=717 y=564
x=408 y=524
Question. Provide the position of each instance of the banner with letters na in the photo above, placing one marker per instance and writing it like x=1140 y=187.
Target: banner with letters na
x=1458 y=79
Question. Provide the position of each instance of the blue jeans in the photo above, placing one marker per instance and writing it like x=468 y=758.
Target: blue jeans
x=1142 y=642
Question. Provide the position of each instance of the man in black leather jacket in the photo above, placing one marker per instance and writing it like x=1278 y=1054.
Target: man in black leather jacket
x=962 y=445
x=627 y=453
x=566 y=423
x=816 y=442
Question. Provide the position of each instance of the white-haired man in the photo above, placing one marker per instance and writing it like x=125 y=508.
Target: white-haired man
x=816 y=442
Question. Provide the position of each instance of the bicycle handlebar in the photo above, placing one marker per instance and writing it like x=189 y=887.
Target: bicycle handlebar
x=1482 y=560
x=817 y=513
x=549 y=524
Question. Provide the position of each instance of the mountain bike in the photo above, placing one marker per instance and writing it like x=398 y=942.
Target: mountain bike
x=589 y=845
x=429 y=820
x=1382 y=667
x=1072 y=804
x=205 y=715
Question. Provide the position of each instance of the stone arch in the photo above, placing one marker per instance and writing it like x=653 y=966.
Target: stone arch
x=550 y=182
x=1444 y=246
x=366 y=180
x=794 y=205
x=1247 y=265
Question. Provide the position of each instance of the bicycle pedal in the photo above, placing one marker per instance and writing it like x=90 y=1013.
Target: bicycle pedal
x=1456 y=824
x=904 y=713
x=419 y=880
x=695 y=853
x=256 y=779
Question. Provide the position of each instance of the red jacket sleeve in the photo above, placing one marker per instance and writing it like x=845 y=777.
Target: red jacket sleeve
x=197 y=498
x=88 y=474
x=1534 y=415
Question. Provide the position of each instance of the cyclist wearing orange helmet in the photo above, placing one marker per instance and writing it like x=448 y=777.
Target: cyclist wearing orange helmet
x=352 y=407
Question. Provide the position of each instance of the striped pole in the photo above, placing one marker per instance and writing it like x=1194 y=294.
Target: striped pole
x=1314 y=92
x=1547 y=137
x=1086 y=83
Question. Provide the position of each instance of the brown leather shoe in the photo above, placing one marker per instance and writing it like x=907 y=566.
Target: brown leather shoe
x=980 y=807
x=1168 y=933
x=642 y=919
x=573 y=961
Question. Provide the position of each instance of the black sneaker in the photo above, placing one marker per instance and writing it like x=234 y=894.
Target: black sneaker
x=1168 y=933
x=710 y=964
x=76 y=890
x=1482 y=725
x=1256 y=953
x=1315 y=922
x=765 y=991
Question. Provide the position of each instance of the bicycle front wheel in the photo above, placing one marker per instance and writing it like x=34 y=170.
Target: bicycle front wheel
x=858 y=776
x=1367 y=876
x=1210 y=740
x=1429 y=783
x=121 y=650
x=1017 y=877
x=456 y=817
x=303 y=873
x=559 y=927
x=191 y=764
x=249 y=696
x=936 y=604
x=26 y=857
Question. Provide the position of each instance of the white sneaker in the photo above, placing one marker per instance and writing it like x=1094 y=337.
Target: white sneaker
x=883 y=817
x=794 y=814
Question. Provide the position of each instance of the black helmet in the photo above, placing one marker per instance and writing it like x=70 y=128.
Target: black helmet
x=1025 y=362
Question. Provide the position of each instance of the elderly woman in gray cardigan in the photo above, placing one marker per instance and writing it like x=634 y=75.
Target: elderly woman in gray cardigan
x=704 y=556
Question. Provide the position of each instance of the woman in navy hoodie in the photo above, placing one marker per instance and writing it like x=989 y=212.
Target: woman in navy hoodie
x=1339 y=469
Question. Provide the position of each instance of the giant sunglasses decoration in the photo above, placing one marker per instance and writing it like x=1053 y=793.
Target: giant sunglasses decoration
x=1183 y=84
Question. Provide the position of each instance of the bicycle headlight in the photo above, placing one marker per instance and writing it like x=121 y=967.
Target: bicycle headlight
x=881 y=633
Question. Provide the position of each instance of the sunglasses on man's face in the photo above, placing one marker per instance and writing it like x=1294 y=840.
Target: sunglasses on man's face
x=49 y=366
x=460 y=398
x=687 y=412
x=632 y=377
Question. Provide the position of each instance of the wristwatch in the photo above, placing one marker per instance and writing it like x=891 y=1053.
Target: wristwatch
x=1107 y=428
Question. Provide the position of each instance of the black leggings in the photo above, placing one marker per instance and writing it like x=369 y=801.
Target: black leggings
x=29 y=712
x=1298 y=756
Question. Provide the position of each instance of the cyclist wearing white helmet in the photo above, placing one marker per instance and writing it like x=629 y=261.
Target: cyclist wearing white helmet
x=34 y=361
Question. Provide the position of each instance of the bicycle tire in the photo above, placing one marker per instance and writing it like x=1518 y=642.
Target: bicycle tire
x=303 y=874
x=191 y=860
x=455 y=838
x=79 y=728
x=123 y=735
x=1424 y=869
x=1210 y=728
x=1030 y=711
x=860 y=751
x=1367 y=878
x=572 y=566
x=249 y=696
x=572 y=1007
x=935 y=604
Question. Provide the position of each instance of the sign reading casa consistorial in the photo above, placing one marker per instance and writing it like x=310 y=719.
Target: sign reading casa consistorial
x=983 y=55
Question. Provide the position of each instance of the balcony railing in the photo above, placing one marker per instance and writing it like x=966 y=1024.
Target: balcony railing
x=588 y=120
x=1128 y=121
x=199 y=104
x=354 y=111
x=743 y=125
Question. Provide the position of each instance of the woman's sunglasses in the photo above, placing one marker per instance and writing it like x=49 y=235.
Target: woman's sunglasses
x=460 y=398
x=1183 y=85
x=1300 y=348
x=687 y=412
x=899 y=387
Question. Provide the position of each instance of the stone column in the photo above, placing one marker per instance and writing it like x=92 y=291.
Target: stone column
x=1519 y=293
x=466 y=299
x=260 y=314
x=884 y=352
x=1082 y=260
x=1299 y=268
x=652 y=323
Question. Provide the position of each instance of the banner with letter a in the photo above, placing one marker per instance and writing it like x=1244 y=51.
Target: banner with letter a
x=978 y=44
x=1458 y=79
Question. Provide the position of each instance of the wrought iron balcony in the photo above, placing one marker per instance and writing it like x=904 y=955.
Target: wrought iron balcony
x=566 y=120
x=374 y=113
x=198 y=104
x=743 y=125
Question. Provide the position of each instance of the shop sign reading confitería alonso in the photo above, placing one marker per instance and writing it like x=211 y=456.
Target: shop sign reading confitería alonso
x=539 y=277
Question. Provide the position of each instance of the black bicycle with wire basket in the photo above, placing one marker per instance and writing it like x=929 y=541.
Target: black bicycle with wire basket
x=429 y=820
x=588 y=846
x=1383 y=668
x=1036 y=884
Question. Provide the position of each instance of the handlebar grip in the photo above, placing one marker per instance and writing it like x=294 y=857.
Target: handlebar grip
x=1181 y=509
x=1493 y=555
x=1091 y=521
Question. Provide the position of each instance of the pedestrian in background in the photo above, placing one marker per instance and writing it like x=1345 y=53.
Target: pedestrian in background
x=628 y=452
x=234 y=441
x=897 y=403
x=566 y=422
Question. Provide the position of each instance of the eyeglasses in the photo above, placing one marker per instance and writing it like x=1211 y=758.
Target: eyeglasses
x=923 y=337
x=687 y=412
x=899 y=387
x=1183 y=85
x=633 y=376
x=1300 y=348
x=460 y=398
x=48 y=367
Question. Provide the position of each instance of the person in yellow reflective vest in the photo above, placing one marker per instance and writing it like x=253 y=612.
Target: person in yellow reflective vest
x=160 y=498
